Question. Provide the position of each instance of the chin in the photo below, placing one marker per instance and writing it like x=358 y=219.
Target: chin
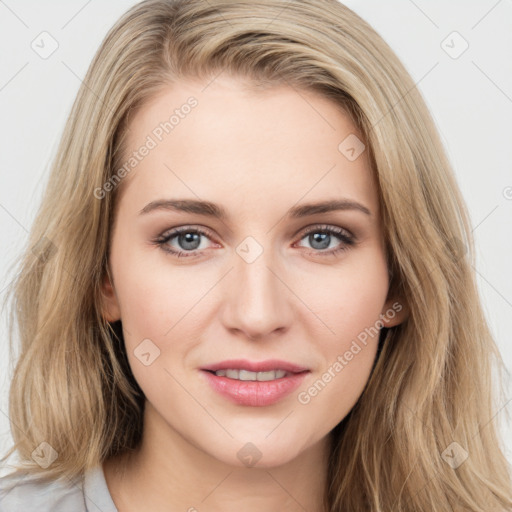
x=259 y=453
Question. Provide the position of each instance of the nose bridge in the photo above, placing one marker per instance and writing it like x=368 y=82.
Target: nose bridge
x=257 y=298
x=257 y=283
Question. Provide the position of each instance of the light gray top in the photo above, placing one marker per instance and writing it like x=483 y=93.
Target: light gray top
x=20 y=493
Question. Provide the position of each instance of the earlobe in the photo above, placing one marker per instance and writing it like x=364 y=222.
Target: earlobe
x=109 y=304
x=395 y=312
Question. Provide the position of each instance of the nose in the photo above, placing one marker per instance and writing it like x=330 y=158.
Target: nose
x=257 y=301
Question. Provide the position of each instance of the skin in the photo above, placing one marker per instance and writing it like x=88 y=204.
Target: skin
x=257 y=154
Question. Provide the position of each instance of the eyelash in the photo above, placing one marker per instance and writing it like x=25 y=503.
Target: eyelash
x=347 y=240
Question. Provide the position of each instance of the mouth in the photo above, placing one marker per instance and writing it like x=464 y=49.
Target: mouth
x=254 y=384
x=256 y=366
x=246 y=375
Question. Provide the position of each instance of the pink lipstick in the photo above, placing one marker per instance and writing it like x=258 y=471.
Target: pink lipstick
x=255 y=384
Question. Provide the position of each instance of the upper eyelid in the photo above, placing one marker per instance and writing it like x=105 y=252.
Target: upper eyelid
x=325 y=227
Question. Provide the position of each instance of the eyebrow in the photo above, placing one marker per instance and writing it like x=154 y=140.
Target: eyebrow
x=214 y=210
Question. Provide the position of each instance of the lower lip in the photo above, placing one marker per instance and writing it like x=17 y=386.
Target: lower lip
x=254 y=393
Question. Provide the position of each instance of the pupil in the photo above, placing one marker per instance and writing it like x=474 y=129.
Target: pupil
x=188 y=241
x=324 y=239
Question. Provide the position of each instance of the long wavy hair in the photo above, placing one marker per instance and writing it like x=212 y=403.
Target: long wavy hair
x=430 y=398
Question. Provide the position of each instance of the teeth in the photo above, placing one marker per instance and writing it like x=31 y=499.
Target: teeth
x=247 y=375
x=232 y=374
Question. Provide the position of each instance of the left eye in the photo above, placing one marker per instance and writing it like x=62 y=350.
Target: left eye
x=189 y=240
x=321 y=237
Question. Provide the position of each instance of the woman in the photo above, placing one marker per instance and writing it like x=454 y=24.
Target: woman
x=320 y=345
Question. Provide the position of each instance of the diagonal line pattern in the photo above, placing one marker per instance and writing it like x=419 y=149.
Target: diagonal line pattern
x=199 y=403
x=14 y=76
x=13 y=13
x=75 y=15
x=228 y=22
x=88 y=88
x=279 y=13
x=304 y=195
x=301 y=300
x=24 y=477
x=485 y=218
x=13 y=218
x=494 y=288
x=284 y=489
x=296 y=90
x=492 y=81
x=211 y=288
x=492 y=418
x=486 y=14
x=216 y=487
x=424 y=14
x=279 y=424
x=408 y=91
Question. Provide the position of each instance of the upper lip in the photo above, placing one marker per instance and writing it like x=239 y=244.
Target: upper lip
x=255 y=366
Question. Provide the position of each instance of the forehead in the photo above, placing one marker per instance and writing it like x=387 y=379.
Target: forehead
x=226 y=142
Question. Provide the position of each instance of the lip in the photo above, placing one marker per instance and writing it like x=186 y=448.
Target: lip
x=254 y=393
x=255 y=366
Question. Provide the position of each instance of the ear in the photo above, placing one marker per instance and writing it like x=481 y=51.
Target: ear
x=394 y=312
x=109 y=304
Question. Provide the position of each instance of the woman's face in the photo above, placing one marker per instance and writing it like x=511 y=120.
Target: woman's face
x=271 y=279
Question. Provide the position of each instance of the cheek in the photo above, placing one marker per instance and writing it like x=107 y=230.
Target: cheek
x=329 y=397
x=346 y=298
x=348 y=304
x=160 y=308
x=164 y=309
x=154 y=295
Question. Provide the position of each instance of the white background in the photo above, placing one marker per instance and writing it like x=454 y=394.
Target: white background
x=470 y=98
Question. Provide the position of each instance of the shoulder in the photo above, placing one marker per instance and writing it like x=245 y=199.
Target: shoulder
x=21 y=491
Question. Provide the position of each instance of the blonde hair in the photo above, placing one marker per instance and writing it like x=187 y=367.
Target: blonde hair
x=431 y=385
